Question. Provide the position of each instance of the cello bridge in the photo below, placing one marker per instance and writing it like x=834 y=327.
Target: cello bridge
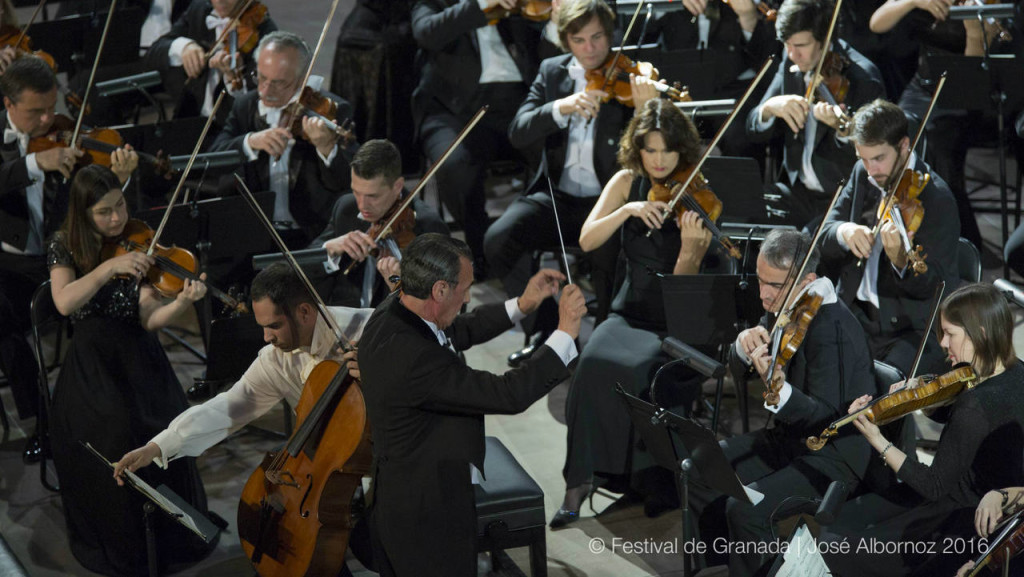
x=282 y=478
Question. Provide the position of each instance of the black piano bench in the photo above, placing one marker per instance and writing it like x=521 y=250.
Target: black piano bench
x=510 y=509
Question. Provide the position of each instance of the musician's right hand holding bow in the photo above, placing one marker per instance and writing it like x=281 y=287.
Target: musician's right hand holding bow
x=790 y=108
x=356 y=244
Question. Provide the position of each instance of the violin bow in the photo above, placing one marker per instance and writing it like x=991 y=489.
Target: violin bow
x=321 y=306
x=615 y=60
x=714 y=141
x=558 y=227
x=939 y=290
x=92 y=74
x=812 y=86
x=386 y=229
x=24 y=29
x=184 y=174
x=232 y=24
x=892 y=183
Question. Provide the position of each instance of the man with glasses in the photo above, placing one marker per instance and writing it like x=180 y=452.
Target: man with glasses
x=307 y=168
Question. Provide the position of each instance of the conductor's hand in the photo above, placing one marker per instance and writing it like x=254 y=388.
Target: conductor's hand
x=356 y=244
x=571 y=309
x=859 y=239
x=791 y=108
x=192 y=60
x=544 y=284
x=752 y=338
x=273 y=141
x=135 y=460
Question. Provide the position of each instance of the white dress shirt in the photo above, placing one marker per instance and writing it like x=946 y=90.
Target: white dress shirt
x=496 y=64
x=579 y=178
x=33 y=194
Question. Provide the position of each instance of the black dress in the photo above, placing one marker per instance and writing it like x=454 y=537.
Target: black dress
x=116 y=390
x=625 y=349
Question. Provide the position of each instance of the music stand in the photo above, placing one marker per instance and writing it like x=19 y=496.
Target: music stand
x=737 y=181
x=166 y=500
x=684 y=445
x=985 y=80
x=716 y=309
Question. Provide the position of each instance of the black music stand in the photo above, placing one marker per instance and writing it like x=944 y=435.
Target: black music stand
x=73 y=41
x=737 y=182
x=694 y=68
x=984 y=81
x=711 y=310
x=683 y=445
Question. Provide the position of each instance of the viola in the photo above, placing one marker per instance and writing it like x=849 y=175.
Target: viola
x=793 y=326
x=98 y=143
x=698 y=197
x=612 y=77
x=173 y=265
x=313 y=103
x=532 y=10
x=905 y=200
x=930 y=392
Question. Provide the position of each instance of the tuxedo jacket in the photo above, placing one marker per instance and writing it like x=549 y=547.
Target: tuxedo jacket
x=534 y=124
x=426 y=410
x=449 y=56
x=313 y=186
x=904 y=304
x=832 y=160
x=14 y=179
x=192 y=24
x=345 y=290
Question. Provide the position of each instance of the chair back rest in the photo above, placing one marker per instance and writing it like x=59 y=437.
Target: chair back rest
x=968 y=261
x=44 y=315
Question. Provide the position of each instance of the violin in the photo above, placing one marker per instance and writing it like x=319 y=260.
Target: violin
x=248 y=17
x=532 y=10
x=98 y=143
x=612 y=77
x=401 y=228
x=697 y=197
x=1003 y=547
x=173 y=265
x=904 y=199
x=12 y=36
x=313 y=103
x=930 y=392
x=792 y=331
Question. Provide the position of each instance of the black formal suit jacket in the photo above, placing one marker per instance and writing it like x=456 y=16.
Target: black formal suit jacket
x=832 y=159
x=679 y=31
x=831 y=368
x=192 y=24
x=534 y=123
x=14 y=179
x=313 y=186
x=904 y=303
x=449 y=56
x=426 y=410
x=345 y=290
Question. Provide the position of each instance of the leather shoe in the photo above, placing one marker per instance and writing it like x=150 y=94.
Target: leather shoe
x=564 y=517
x=33 y=452
x=516 y=358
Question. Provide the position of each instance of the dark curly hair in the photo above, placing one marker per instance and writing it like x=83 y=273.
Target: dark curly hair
x=659 y=115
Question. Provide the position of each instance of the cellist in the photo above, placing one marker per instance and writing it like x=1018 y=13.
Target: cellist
x=830 y=368
x=980 y=450
x=892 y=302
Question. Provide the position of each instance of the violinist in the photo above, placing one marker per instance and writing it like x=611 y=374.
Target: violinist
x=830 y=369
x=580 y=137
x=468 y=63
x=32 y=205
x=180 y=56
x=994 y=508
x=377 y=188
x=116 y=387
x=626 y=348
x=815 y=158
x=979 y=451
x=297 y=339
x=426 y=407
x=308 y=170
x=891 y=301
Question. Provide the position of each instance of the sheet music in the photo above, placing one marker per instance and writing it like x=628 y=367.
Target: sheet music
x=802 y=558
x=153 y=495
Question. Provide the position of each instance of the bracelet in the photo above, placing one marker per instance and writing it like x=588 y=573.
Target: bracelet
x=882 y=454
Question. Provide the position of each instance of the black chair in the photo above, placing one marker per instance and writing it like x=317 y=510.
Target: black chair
x=968 y=261
x=510 y=509
x=45 y=318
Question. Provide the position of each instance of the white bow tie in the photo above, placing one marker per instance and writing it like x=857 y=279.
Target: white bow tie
x=12 y=135
x=214 y=22
x=576 y=72
x=272 y=115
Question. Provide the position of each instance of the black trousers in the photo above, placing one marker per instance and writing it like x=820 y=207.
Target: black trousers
x=19 y=278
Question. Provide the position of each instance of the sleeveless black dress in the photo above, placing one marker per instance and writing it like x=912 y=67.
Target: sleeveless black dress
x=116 y=390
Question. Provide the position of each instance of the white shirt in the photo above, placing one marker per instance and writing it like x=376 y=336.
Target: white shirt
x=496 y=64
x=275 y=375
x=157 y=23
x=820 y=286
x=34 y=196
x=578 y=176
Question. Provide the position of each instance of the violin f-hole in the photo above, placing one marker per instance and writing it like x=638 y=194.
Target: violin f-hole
x=302 y=504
